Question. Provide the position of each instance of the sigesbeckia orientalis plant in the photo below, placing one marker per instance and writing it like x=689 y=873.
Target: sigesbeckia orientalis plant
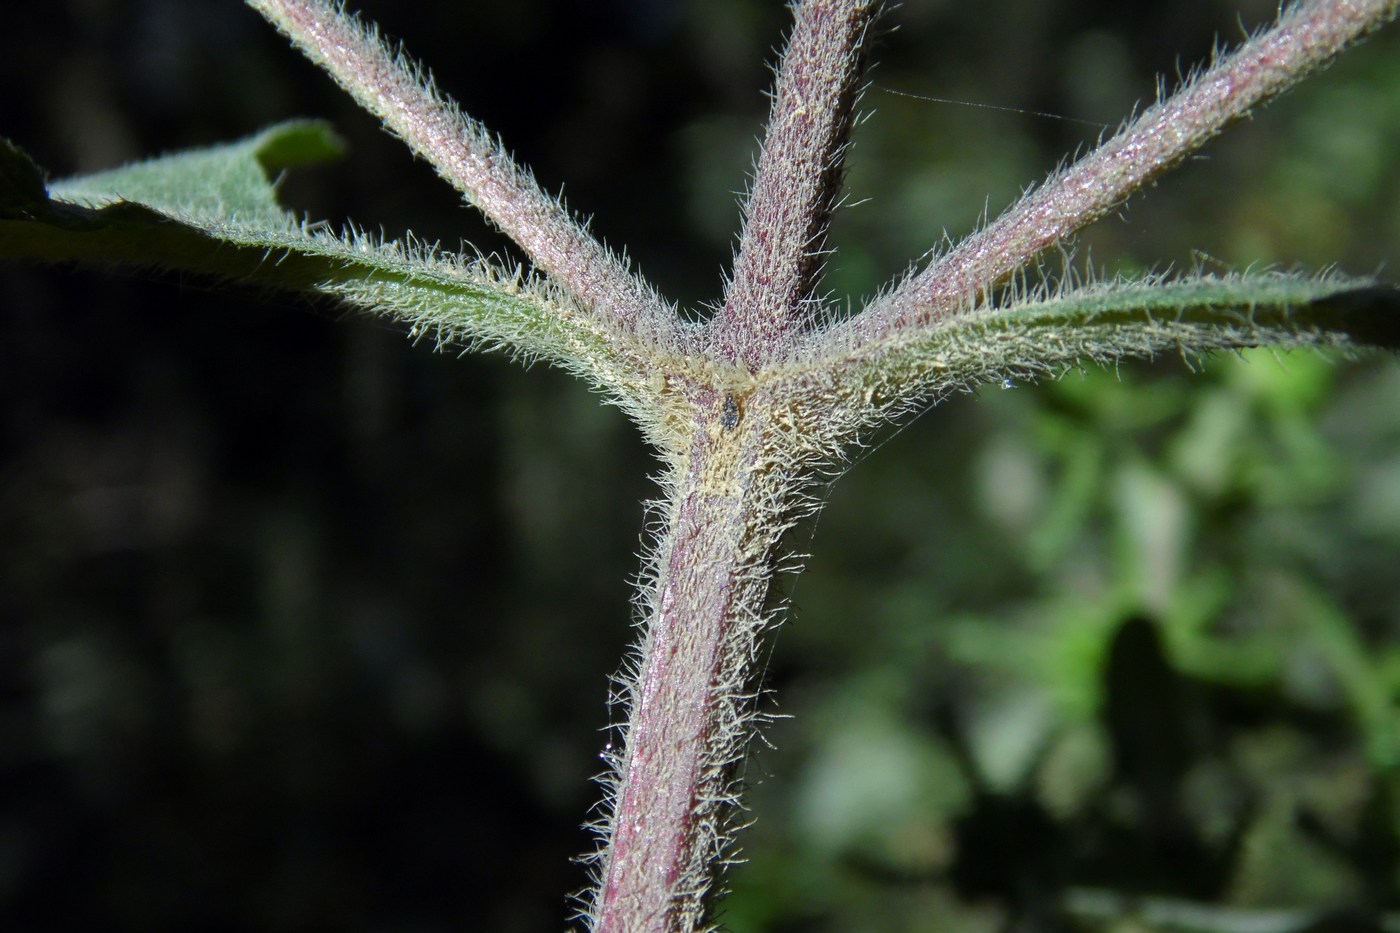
x=751 y=410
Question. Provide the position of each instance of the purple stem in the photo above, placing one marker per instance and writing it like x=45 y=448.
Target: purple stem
x=797 y=184
x=1304 y=39
x=689 y=715
x=471 y=160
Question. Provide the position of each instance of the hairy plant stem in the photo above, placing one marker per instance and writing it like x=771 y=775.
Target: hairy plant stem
x=1307 y=37
x=468 y=157
x=744 y=436
x=690 y=703
x=690 y=708
x=797 y=184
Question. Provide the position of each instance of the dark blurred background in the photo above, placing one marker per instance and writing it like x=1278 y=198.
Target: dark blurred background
x=304 y=628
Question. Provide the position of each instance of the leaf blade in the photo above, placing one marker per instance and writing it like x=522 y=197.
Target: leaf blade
x=1101 y=324
x=214 y=211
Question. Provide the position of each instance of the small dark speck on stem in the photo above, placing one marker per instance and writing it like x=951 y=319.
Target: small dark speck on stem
x=729 y=414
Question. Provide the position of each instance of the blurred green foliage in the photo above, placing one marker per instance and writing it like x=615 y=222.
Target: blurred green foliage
x=301 y=627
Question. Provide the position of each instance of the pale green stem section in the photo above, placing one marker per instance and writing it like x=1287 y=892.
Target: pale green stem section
x=1306 y=38
x=471 y=160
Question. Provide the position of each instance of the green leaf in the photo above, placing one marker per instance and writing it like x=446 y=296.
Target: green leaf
x=1103 y=324
x=215 y=211
x=221 y=183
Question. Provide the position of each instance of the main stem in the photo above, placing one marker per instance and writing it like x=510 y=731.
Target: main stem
x=690 y=705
